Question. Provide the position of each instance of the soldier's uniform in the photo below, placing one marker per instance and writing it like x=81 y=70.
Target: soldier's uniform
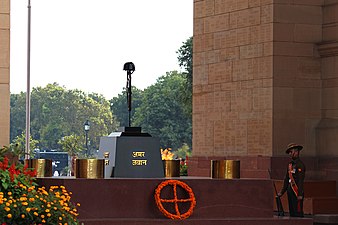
x=293 y=184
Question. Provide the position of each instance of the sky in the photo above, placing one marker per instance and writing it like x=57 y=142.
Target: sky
x=83 y=44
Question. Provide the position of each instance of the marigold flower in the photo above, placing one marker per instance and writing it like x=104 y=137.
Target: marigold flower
x=9 y=216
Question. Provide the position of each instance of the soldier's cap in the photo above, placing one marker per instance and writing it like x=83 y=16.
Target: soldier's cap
x=293 y=146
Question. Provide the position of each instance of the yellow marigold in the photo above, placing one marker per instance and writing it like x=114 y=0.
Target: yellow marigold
x=23 y=199
x=49 y=215
x=28 y=209
x=15 y=205
x=23 y=216
x=78 y=204
x=7 y=209
x=60 y=218
x=42 y=216
x=31 y=188
x=9 y=193
x=43 y=221
x=47 y=210
x=36 y=214
x=8 y=204
x=9 y=216
x=31 y=199
x=24 y=203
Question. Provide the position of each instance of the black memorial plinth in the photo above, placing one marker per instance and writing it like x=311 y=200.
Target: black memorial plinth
x=132 y=154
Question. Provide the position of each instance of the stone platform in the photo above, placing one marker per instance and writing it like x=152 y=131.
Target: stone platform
x=131 y=201
x=229 y=221
x=320 y=197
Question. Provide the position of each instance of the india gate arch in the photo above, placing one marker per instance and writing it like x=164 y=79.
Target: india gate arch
x=265 y=74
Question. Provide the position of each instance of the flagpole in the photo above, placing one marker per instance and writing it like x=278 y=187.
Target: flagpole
x=28 y=100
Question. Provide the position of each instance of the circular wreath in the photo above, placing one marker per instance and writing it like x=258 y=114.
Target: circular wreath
x=175 y=200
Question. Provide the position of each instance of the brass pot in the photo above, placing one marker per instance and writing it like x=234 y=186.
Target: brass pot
x=171 y=168
x=43 y=167
x=226 y=169
x=89 y=168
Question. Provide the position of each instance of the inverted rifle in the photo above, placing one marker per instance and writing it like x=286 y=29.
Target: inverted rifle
x=279 y=204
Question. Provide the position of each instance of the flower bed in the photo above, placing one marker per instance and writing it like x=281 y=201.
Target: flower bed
x=23 y=203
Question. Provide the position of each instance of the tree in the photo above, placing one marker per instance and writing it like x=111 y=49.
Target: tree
x=161 y=113
x=185 y=59
x=17 y=114
x=71 y=144
x=18 y=145
x=57 y=112
x=119 y=106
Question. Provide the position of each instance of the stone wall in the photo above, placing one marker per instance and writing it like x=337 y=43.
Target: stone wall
x=327 y=131
x=232 y=89
x=296 y=74
x=265 y=75
x=4 y=71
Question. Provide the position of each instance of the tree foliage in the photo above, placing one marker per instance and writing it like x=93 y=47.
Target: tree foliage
x=18 y=145
x=161 y=113
x=57 y=112
x=72 y=144
x=185 y=60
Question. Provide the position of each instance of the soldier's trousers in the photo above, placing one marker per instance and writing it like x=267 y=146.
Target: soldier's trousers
x=295 y=205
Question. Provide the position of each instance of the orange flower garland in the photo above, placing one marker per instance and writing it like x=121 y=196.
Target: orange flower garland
x=159 y=200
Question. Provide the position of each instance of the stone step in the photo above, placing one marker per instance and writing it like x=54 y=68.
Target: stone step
x=189 y=221
x=320 y=197
x=325 y=219
x=315 y=188
x=328 y=205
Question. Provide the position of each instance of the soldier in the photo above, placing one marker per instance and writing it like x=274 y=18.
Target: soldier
x=294 y=180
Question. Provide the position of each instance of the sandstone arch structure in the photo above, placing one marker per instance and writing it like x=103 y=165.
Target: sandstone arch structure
x=265 y=74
